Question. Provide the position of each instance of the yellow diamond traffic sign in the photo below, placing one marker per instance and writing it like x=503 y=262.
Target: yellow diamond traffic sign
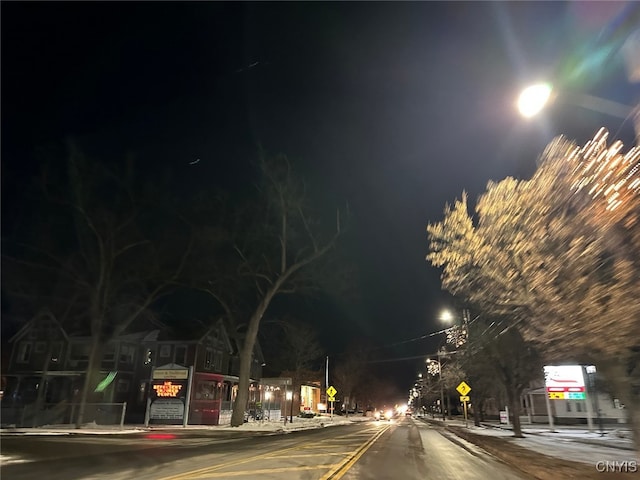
x=463 y=388
x=331 y=391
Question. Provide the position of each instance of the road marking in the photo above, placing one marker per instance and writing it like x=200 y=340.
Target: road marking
x=303 y=455
x=342 y=468
x=191 y=473
x=251 y=473
x=338 y=469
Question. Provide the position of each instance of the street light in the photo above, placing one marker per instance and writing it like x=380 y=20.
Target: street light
x=457 y=335
x=535 y=97
x=434 y=367
x=446 y=316
x=593 y=392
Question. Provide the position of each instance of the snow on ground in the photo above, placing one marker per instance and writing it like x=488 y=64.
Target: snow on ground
x=567 y=443
x=251 y=426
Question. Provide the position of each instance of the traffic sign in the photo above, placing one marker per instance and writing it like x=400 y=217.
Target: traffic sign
x=463 y=388
x=332 y=399
x=464 y=398
x=331 y=391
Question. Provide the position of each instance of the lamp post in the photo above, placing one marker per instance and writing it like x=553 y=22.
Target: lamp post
x=591 y=373
x=457 y=335
x=434 y=367
x=290 y=398
x=267 y=396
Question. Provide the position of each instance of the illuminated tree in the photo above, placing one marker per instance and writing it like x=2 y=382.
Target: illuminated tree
x=559 y=254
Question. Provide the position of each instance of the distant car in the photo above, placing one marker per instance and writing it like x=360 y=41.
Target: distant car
x=383 y=414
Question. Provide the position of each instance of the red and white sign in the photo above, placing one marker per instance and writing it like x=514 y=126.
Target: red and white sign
x=564 y=378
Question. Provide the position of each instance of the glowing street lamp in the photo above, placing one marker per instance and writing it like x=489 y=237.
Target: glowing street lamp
x=434 y=367
x=456 y=334
x=446 y=316
x=534 y=98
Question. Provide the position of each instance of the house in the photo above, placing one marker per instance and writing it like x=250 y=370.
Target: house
x=47 y=367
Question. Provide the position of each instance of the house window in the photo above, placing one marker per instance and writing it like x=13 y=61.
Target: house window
x=109 y=353
x=142 y=392
x=165 y=351
x=80 y=351
x=208 y=359
x=578 y=406
x=56 y=352
x=217 y=361
x=206 y=390
x=181 y=354
x=568 y=406
x=148 y=356
x=126 y=354
x=24 y=353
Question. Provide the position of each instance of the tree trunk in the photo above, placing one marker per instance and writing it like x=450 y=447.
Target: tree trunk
x=615 y=371
x=95 y=360
x=477 y=405
x=246 y=354
x=513 y=397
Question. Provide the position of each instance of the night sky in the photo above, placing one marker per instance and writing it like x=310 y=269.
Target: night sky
x=394 y=107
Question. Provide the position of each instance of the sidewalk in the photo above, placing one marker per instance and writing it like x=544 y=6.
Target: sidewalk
x=618 y=436
x=615 y=436
x=252 y=426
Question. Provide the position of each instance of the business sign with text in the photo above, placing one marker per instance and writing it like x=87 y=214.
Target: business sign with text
x=564 y=382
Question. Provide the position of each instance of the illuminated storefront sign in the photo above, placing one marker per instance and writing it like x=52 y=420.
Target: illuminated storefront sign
x=167 y=389
x=564 y=382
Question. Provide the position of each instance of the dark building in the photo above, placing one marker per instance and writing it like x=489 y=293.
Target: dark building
x=43 y=379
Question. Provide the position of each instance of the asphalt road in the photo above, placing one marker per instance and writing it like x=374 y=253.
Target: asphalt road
x=404 y=448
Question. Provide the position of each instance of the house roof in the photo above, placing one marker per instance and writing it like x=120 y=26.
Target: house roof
x=43 y=317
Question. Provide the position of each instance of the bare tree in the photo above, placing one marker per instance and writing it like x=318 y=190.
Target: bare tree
x=107 y=267
x=348 y=372
x=259 y=249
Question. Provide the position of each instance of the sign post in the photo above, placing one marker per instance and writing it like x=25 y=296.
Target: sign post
x=169 y=391
x=331 y=397
x=464 y=389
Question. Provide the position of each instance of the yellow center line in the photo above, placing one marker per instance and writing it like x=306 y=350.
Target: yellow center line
x=320 y=447
x=342 y=468
x=337 y=469
x=191 y=473
x=244 y=473
x=323 y=454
